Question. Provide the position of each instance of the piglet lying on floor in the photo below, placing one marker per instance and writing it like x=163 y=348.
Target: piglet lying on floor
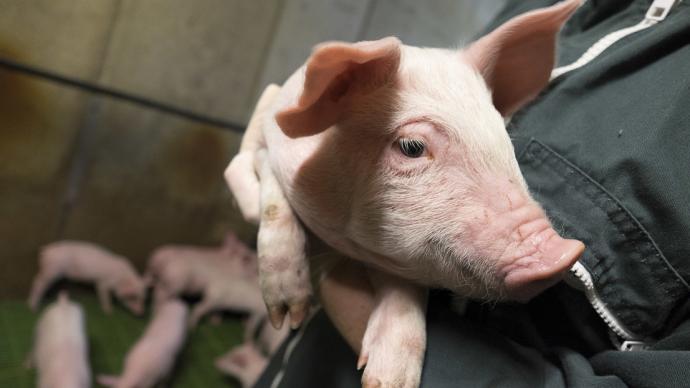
x=153 y=356
x=183 y=270
x=238 y=290
x=398 y=157
x=60 y=352
x=233 y=293
x=233 y=255
x=246 y=362
x=85 y=262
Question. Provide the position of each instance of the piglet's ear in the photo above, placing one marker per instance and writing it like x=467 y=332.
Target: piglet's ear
x=335 y=72
x=516 y=59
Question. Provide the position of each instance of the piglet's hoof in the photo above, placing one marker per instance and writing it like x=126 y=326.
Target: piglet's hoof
x=283 y=266
x=287 y=291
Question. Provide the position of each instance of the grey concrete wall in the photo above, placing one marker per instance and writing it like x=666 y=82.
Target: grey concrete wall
x=81 y=166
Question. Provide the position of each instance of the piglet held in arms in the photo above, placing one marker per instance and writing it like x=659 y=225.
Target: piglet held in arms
x=398 y=157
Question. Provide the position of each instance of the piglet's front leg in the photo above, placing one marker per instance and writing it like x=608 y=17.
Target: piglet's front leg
x=283 y=266
x=395 y=338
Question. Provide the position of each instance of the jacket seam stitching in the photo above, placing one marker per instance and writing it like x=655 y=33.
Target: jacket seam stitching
x=634 y=222
x=625 y=227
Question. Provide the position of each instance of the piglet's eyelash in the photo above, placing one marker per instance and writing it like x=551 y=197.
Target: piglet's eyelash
x=411 y=147
x=409 y=142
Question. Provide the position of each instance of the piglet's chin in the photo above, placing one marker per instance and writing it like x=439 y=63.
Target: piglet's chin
x=531 y=275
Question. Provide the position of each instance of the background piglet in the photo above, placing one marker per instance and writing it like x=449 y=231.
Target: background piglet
x=60 y=352
x=247 y=361
x=233 y=253
x=240 y=293
x=235 y=293
x=182 y=270
x=86 y=262
x=244 y=362
x=153 y=356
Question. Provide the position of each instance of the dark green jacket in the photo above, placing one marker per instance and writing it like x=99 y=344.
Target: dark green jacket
x=606 y=150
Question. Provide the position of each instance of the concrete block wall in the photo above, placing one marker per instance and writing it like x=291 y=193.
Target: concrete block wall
x=83 y=166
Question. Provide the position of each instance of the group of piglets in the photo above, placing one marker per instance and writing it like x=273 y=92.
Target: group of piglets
x=225 y=277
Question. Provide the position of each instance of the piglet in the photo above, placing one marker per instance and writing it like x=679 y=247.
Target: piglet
x=153 y=356
x=233 y=293
x=60 y=351
x=246 y=362
x=232 y=253
x=179 y=270
x=236 y=290
x=86 y=262
x=398 y=157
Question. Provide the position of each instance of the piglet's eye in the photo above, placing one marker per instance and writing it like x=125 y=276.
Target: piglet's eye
x=412 y=148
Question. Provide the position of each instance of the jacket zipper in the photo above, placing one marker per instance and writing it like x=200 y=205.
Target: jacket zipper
x=630 y=341
x=656 y=13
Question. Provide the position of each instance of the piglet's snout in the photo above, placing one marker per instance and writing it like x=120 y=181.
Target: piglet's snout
x=515 y=234
x=540 y=261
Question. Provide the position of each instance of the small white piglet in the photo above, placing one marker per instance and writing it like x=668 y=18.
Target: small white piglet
x=235 y=293
x=246 y=362
x=86 y=262
x=60 y=351
x=178 y=270
x=153 y=356
x=398 y=157
x=232 y=253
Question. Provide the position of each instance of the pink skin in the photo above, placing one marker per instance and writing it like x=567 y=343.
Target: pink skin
x=179 y=270
x=235 y=293
x=85 y=262
x=178 y=278
x=269 y=339
x=456 y=214
x=242 y=294
x=247 y=362
x=244 y=362
x=233 y=254
x=467 y=177
x=151 y=359
x=60 y=352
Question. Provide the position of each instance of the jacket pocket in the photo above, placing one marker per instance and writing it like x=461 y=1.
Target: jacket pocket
x=630 y=273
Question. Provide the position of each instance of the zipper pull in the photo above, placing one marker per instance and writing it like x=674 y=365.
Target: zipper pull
x=631 y=346
x=659 y=10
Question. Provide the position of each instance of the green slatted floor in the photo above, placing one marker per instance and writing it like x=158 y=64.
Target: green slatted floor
x=109 y=339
